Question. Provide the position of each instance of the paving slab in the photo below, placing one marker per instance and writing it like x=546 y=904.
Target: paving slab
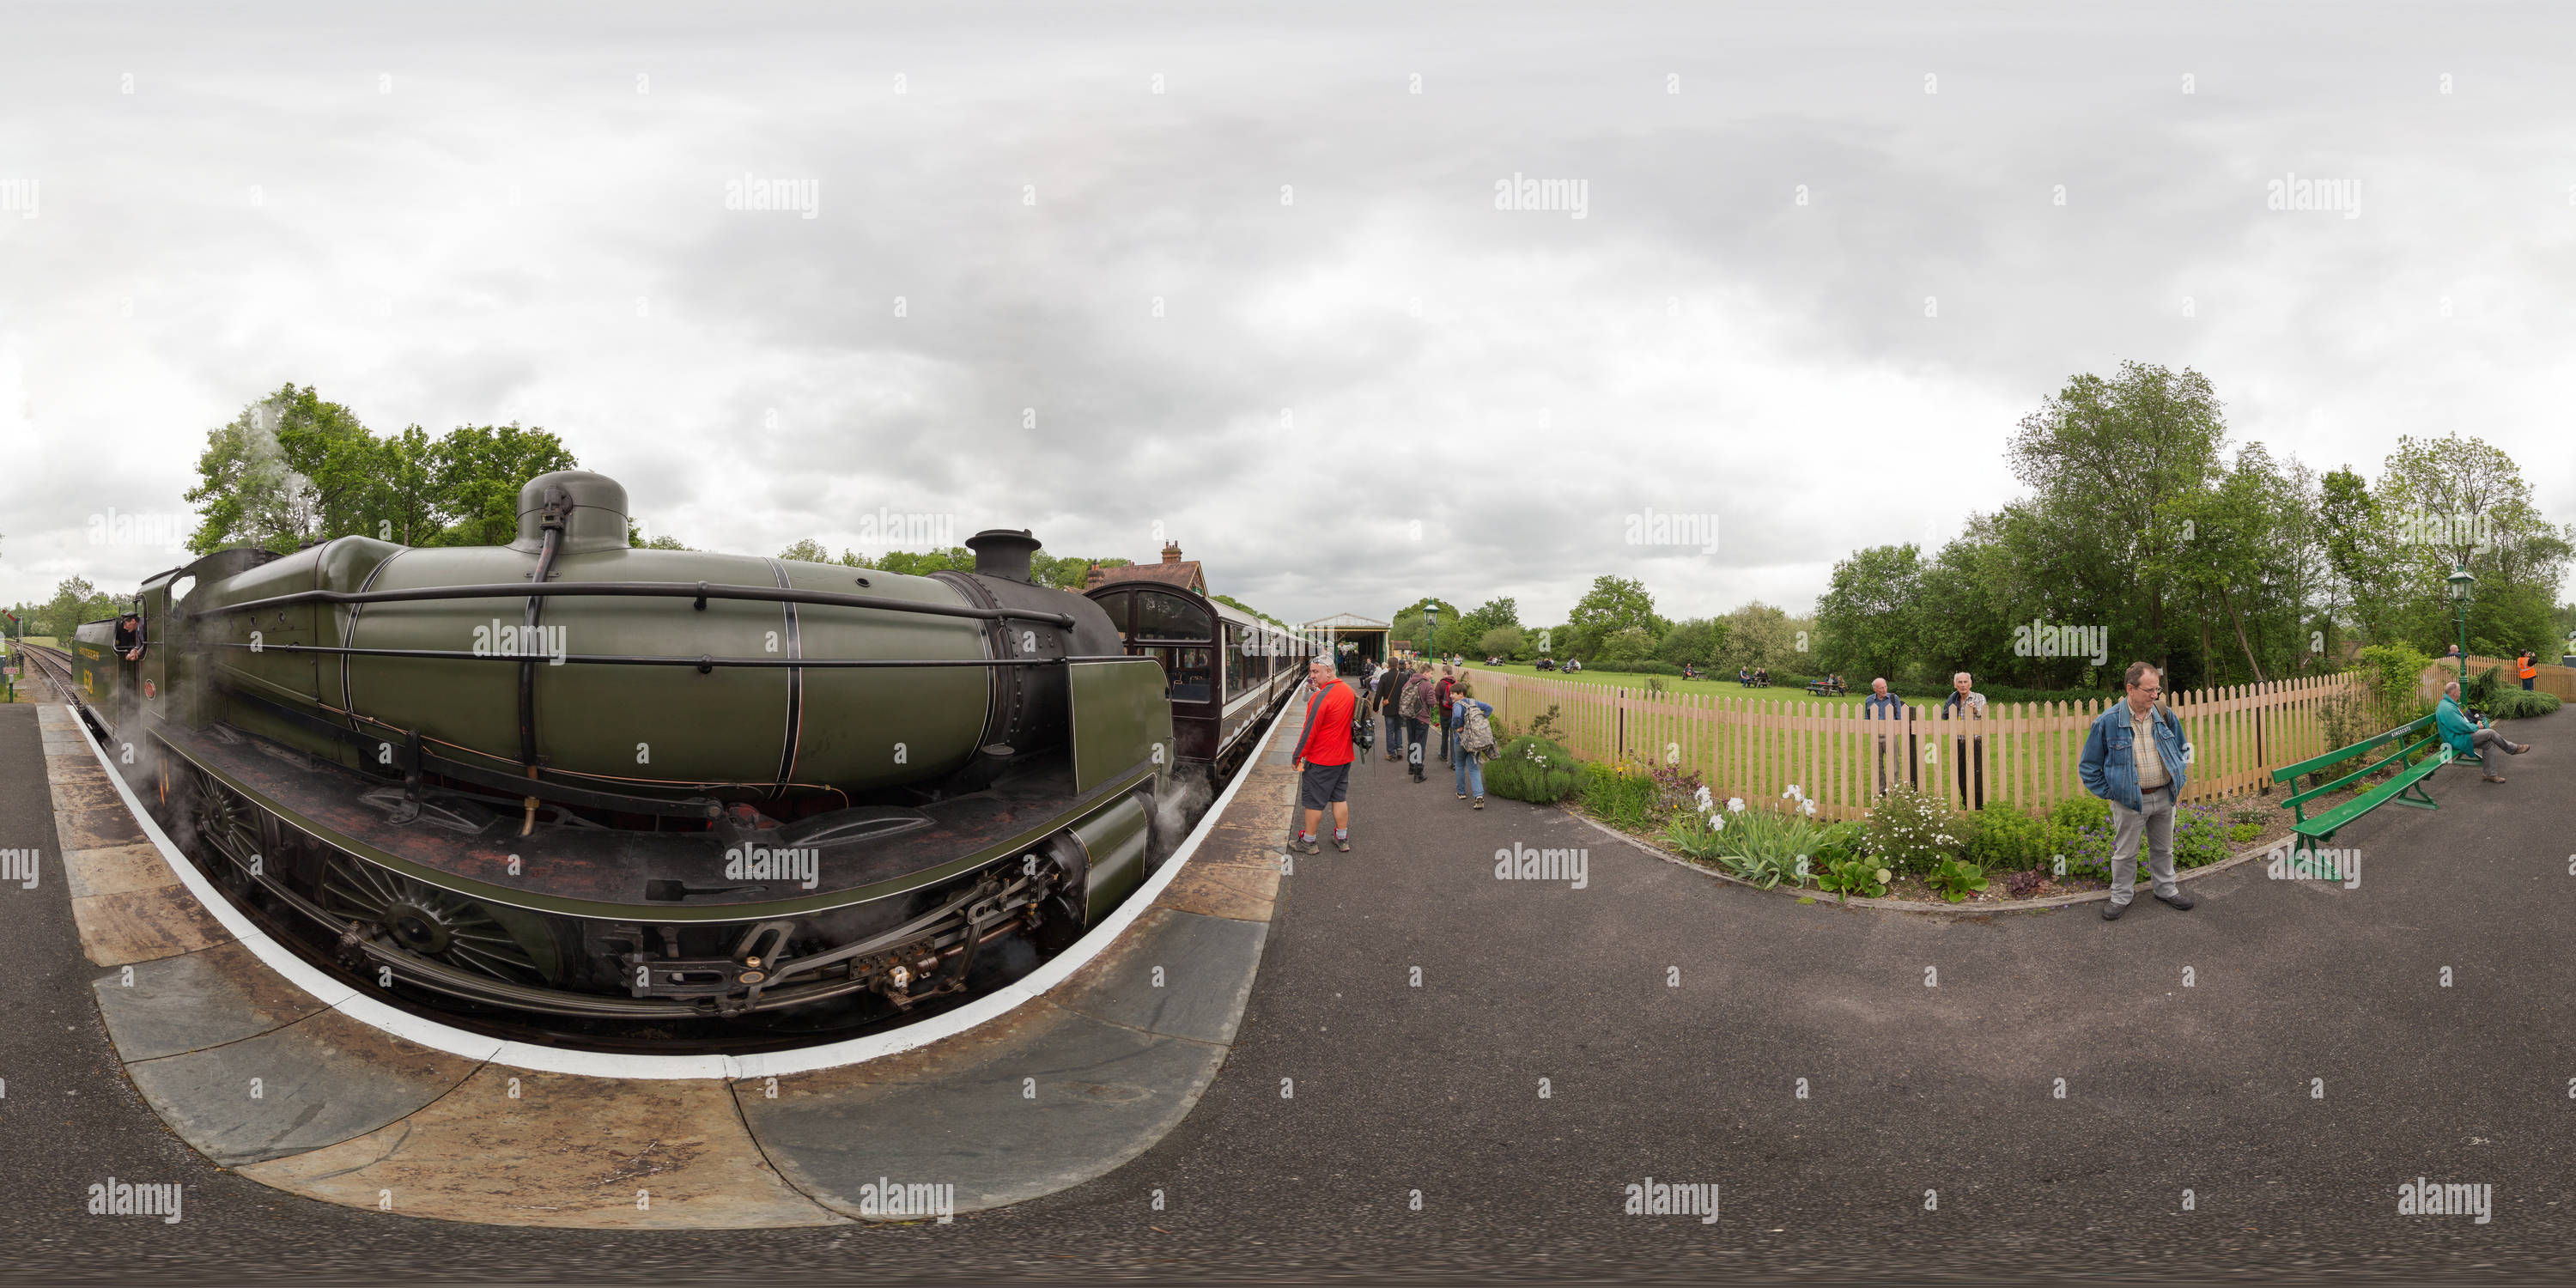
x=563 y=1151
x=96 y=829
x=1174 y=973
x=1037 y=1102
x=144 y=925
x=116 y=869
x=321 y=1080
x=197 y=1000
x=1237 y=891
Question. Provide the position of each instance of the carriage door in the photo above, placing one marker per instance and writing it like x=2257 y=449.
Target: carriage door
x=160 y=640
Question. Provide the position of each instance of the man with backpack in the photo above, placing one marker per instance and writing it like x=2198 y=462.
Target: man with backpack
x=1475 y=739
x=1448 y=679
x=1323 y=756
x=1420 y=696
x=2135 y=757
x=1384 y=698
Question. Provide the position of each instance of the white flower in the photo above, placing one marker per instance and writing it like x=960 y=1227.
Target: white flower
x=1735 y=803
x=1717 y=822
x=1811 y=809
x=1793 y=793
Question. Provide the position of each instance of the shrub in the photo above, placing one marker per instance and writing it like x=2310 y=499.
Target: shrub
x=1954 y=880
x=2199 y=839
x=2079 y=830
x=1631 y=666
x=1838 y=841
x=1619 y=796
x=2002 y=838
x=1531 y=768
x=1768 y=847
x=1912 y=832
x=2390 y=672
x=2243 y=833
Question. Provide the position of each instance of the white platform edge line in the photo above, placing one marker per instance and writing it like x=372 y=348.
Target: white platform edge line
x=601 y=1064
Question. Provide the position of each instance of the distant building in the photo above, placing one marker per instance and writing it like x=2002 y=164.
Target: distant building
x=1352 y=639
x=1172 y=571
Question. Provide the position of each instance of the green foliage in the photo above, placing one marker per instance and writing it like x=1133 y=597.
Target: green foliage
x=1912 y=831
x=2389 y=673
x=806 y=550
x=293 y=469
x=1503 y=642
x=2199 y=838
x=1866 y=621
x=1865 y=877
x=1617 y=795
x=1627 y=646
x=1544 y=726
x=1247 y=609
x=75 y=601
x=1615 y=604
x=2002 y=838
x=1954 y=880
x=2502 y=699
x=2243 y=833
x=1835 y=842
x=1531 y=768
x=2079 y=831
x=1697 y=642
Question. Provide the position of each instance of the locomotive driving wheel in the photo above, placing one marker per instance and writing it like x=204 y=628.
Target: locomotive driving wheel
x=503 y=943
x=220 y=819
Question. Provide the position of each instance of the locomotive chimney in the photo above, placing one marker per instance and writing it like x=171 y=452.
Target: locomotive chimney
x=1003 y=553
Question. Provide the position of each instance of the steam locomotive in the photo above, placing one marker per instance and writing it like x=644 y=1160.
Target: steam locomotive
x=643 y=797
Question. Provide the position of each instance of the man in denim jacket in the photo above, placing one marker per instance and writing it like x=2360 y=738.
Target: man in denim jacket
x=2135 y=757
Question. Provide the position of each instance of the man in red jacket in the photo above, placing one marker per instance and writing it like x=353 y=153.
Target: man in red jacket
x=1323 y=757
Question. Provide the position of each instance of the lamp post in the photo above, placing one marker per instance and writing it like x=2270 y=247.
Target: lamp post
x=1430 y=631
x=2460 y=582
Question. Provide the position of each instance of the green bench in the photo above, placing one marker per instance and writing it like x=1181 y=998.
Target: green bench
x=2405 y=787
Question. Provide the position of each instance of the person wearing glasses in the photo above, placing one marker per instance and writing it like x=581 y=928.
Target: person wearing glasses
x=2135 y=757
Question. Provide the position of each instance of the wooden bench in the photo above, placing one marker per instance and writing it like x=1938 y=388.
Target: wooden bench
x=2405 y=787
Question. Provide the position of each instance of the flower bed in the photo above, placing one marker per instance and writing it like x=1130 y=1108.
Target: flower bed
x=1913 y=846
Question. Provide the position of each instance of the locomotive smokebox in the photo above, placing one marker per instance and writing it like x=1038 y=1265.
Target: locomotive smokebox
x=1003 y=553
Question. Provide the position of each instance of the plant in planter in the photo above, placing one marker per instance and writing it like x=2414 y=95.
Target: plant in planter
x=1954 y=880
x=2079 y=833
x=1911 y=831
x=2199 y=839
x=1621 y=795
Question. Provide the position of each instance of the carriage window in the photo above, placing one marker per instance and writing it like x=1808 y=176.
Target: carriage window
x=1161 y=616
x=1185 y=674
x=1118 y=606
x=1235 y=679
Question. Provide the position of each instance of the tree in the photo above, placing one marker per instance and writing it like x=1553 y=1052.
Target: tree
x=1614 y=604
x=1758 y=635
x=75 y=601
x=806 y=550
x=1697 y=641
x=1502 y=642
x=2103 y=456
x=1867 y=621
x=2462 y=502
x=476 y=472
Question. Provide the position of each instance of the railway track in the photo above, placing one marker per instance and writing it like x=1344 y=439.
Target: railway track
x=54 y=666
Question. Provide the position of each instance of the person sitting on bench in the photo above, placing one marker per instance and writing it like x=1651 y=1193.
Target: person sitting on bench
x=2465 y=738
x=1743 y=678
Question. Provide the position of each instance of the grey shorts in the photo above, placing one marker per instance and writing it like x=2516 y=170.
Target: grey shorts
x=1322 y=785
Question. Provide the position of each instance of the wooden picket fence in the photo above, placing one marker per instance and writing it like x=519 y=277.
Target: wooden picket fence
x=2559 y=680
x=2026 y=753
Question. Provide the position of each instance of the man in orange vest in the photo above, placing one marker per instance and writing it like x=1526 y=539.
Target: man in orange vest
x=2526 y=668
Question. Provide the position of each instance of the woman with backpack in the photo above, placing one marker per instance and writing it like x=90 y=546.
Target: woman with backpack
x=1471 y=720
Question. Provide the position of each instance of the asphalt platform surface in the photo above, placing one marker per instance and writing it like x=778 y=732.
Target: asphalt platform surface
x=2328 y=1045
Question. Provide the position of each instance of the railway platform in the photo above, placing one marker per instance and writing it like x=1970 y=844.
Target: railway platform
x=266 y=1066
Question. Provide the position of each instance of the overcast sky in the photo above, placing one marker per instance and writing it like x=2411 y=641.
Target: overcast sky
x=1366 y=382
